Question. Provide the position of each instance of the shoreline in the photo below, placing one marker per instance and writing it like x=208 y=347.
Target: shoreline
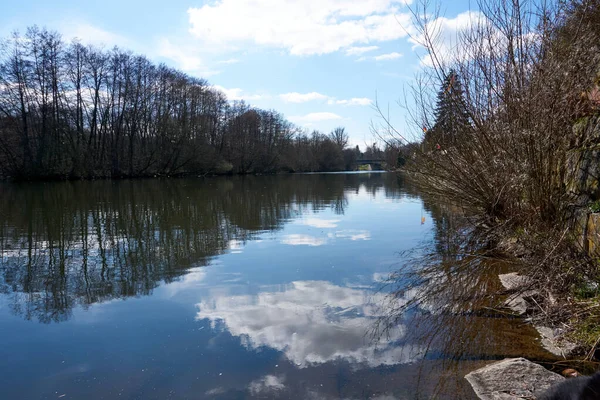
x=176 y=176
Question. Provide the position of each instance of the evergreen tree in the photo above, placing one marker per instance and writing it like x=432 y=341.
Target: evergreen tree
x=451 y=119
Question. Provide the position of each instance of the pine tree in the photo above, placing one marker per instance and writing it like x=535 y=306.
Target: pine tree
x=451 y=118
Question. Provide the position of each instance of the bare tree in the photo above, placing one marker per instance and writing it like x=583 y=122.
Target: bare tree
x=529 y=73
x=339 y=137
x=74 y=111
x=520 y=78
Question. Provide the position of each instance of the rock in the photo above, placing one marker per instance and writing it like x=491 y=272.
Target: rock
x=512 y=379
x=519 y=301
x=553 y=342
x=522 y=302
x=513 y=281
x=518 y=305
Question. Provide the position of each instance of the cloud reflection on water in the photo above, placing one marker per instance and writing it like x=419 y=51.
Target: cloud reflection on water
x=311 y=322
x=352 y=234
x=303 y=240
x=266 y=384
x=319 y=222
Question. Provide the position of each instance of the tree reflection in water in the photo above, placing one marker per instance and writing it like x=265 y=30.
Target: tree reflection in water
x=70 y=244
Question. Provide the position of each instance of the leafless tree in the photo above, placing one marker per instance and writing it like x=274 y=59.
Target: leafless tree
x=339 y=137
x=523 y=66
x=529 y=72
x=75 y=111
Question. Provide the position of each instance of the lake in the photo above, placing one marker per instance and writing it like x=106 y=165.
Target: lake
x=229 y=288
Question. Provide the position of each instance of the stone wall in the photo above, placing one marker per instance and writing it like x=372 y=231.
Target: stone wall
x=582 y=183
x=587 y=232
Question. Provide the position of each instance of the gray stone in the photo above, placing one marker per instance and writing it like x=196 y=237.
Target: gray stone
x=553 y=342
x=513 y=281
x=517 y=302
x=511 y=379
x=521 y=303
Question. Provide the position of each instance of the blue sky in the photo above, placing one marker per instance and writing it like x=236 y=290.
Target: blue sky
x=322 y=63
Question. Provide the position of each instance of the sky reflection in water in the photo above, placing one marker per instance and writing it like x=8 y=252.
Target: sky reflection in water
x=209 y=288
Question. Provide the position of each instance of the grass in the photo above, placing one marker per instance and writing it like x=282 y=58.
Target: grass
x=595 y=206
x=587 y=292
x=586 y=330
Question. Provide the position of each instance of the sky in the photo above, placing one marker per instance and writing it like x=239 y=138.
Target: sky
x=322 y=63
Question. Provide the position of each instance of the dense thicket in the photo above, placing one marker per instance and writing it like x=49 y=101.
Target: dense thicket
x=507 y=115
x=503 y=102
x=504 y=110
x=74 y=111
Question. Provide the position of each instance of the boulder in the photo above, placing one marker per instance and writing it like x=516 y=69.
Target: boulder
x=512 y=379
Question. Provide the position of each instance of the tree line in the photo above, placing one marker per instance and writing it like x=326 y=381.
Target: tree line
x=73 y=111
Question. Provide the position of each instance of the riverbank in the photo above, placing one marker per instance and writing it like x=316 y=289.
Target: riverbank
x=533 y=278
x=515 y=147
x=561 y=316
x=555 y=287
x=519 y=377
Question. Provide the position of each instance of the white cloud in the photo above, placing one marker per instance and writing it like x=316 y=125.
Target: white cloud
x=356 y=51
x=382 y=57
x=389 y=56
x=236 y=246
x=446 y=33
x=310 y=322
x=319 y=223
x=193 y=278
x=229 y=61
x=315 y=117
x=89 y=34
x=185 y=59
x=355 y=101
x=216 y=391
x=351 y=234
x=302 y=27
x=295 y=97
x=381 y=277
x=238 y=94
x=303 y=240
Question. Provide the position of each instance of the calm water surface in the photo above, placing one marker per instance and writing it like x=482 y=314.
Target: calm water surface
x=224 y=288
